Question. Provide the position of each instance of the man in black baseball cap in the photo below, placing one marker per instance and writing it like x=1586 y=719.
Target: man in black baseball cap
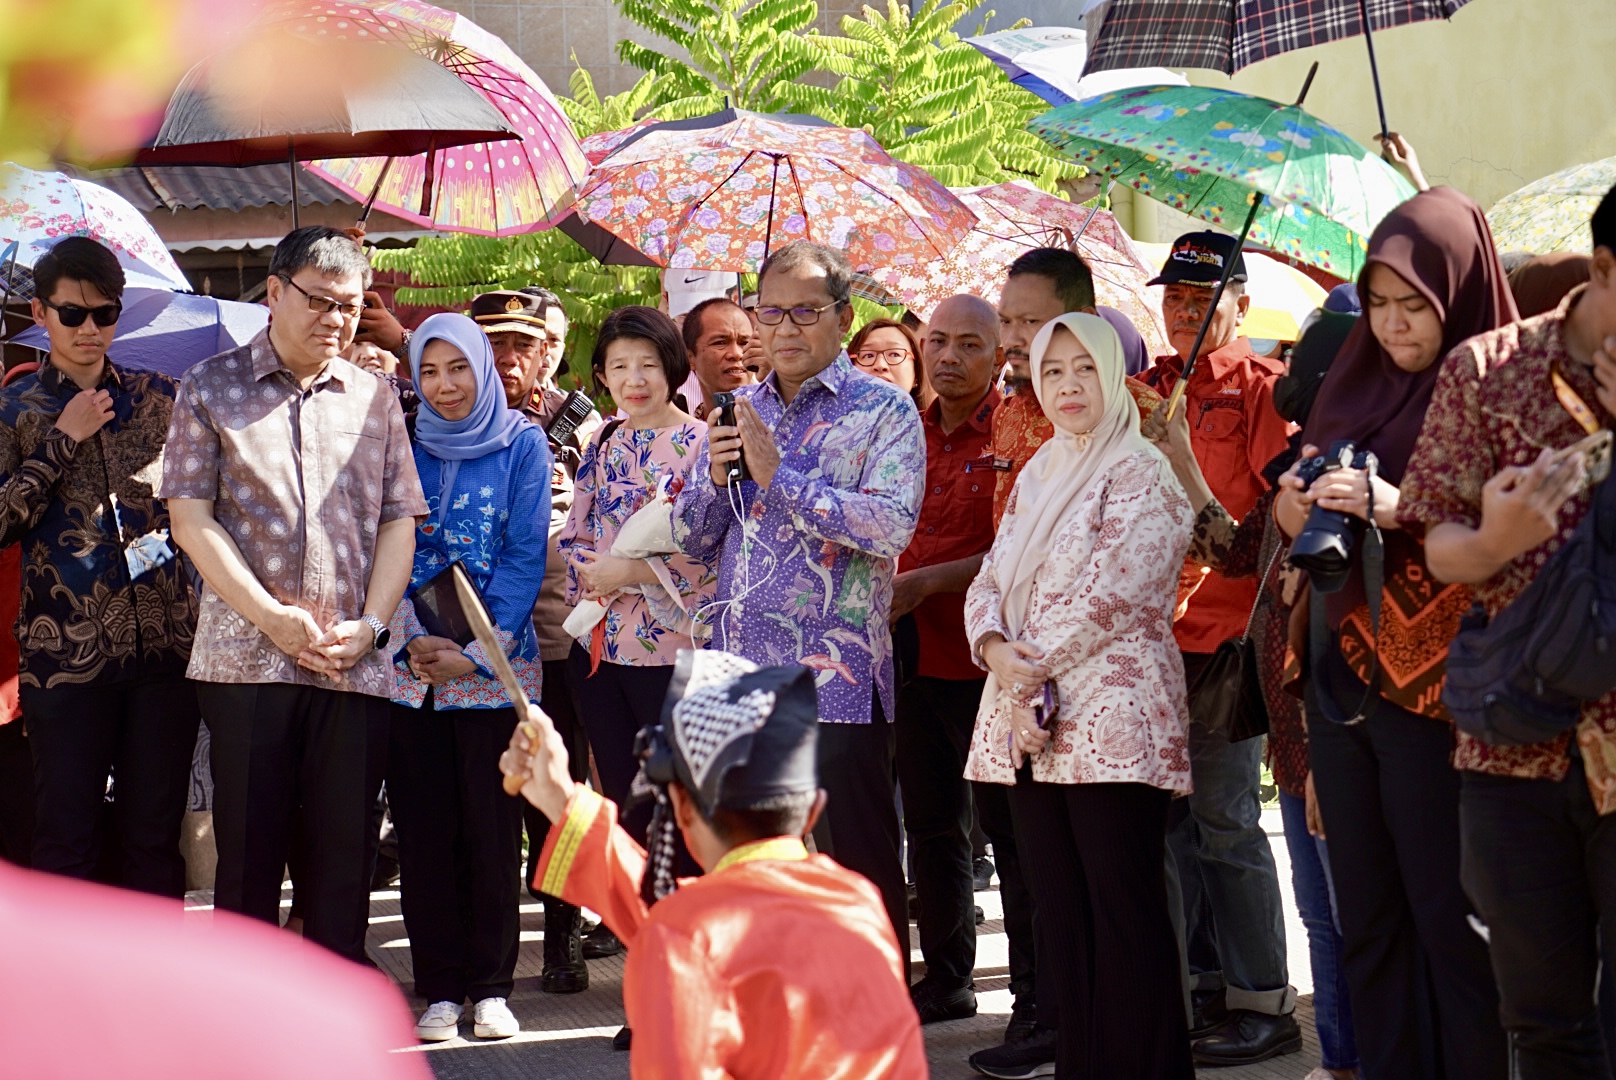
x=1243 y=1013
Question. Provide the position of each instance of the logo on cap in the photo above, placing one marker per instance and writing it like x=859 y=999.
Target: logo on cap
x=514 y=304
x=1196 y=255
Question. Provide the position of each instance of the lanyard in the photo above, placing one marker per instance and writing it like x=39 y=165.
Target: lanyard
x=1578 y=408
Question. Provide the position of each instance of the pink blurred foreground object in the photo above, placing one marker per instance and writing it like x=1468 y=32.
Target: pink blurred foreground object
x=106 y=983
x=490 y=189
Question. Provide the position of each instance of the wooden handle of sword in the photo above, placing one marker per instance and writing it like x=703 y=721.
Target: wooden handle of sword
x=513 y=781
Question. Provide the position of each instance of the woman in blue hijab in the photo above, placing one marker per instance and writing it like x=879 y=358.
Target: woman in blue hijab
x=486 y=474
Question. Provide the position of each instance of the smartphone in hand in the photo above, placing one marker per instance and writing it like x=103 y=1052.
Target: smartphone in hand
x=1595 y=451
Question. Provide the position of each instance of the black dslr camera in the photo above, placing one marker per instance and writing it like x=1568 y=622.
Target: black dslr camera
x=1324 y=546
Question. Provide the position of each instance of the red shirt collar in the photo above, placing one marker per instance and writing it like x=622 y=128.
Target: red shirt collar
x=1217 y=363
x=981 y=418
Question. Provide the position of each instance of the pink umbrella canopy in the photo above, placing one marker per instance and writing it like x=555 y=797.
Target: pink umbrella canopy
x=720 y=192
x=491 y=189
x=1014 y=218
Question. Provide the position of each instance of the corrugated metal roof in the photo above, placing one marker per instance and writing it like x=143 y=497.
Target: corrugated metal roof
x=189 y=187
x=256 y=243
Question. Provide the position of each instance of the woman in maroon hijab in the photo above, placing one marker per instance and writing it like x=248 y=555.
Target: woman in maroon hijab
x=1380 y=742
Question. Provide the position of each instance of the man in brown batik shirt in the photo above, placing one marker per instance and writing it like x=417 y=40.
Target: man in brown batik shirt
x=291 y=486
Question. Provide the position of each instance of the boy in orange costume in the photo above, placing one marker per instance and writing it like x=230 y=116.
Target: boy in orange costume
x=777 y=964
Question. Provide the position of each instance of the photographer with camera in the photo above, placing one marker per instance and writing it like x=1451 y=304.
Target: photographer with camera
x=1379 y=737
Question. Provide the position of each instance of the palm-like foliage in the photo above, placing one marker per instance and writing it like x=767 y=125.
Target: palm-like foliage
x=741 y=52
x=928 y=97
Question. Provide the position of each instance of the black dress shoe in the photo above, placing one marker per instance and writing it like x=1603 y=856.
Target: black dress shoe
x=982 y=872
x=936 y=1002
x=980 y=915
x=1246 y=1038
x=1210 y=1012
x=1023 y=1020
x=624 y=1039
x=600 y=943
x=564 y=969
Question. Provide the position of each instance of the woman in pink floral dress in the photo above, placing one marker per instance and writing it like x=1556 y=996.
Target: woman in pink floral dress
x=1084 y=709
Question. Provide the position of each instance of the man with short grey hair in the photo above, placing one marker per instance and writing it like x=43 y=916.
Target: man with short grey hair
x=291 y=486
x=835 y=465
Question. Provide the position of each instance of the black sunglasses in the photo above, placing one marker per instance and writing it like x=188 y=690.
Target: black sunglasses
x=73 y=315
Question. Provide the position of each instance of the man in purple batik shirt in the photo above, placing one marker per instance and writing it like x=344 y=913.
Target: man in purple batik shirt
x=837 y=466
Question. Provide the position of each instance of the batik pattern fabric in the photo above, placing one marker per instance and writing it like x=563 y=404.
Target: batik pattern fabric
x=104 y=593
x=495 y=525
x=303 y=479
x=805 y=567
x=819 y=993
x=1495 y=407
x=1101 y=608
x=645 y=625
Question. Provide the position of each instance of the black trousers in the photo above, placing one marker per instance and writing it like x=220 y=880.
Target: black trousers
x=16 y=795
x=613 y=705
x=1095 y=858
x=1423 y=998
x=935 y=718
x=459 y=849
x=142 y=732
x=859 y=827
x=1540 y=863
x=285 y=754
x=558 y=705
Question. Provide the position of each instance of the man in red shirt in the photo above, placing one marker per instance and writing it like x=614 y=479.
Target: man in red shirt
x=1243 y=1002
x=941 y=685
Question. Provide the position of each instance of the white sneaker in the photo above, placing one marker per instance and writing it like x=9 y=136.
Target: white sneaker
x=440 y=1022
x=494 y=1020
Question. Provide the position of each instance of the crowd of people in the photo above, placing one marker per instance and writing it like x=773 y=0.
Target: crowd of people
x=996 y=558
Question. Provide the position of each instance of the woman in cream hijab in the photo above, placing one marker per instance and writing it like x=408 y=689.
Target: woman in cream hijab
x=1084 y=710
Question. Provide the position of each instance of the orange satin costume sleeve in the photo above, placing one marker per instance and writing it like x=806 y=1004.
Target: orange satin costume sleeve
x=775 y=965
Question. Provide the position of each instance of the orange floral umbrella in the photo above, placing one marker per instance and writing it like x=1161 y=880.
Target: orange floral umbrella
x=1012 y=219
x=719 y=192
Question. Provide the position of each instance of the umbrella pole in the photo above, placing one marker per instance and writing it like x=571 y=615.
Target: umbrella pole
x=364 y=215
x=1212 y=309
x=291 y=165
x=768 y=229
x=1374 y=67
x=426 y=186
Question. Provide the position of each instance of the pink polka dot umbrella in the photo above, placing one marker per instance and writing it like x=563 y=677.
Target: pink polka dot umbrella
x=493 y=188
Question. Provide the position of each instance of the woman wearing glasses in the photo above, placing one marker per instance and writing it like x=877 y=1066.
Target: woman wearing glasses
x=1084 y=709
x=890 y=351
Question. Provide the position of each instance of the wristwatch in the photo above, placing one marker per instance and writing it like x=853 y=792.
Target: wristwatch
x=379 y=631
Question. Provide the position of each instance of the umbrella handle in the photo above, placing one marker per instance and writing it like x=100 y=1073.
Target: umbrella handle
x=1217 y=298
x=1374 y=67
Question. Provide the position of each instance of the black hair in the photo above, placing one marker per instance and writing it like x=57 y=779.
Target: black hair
x=693 y=318
x=547 y=299
x=798 y=253
x=79 y=258
x=1603 y=223
x=778 y=815
x=650 y=325
x=330 y=251
x=1066 y=271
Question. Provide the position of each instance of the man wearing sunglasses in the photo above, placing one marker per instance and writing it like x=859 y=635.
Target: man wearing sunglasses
x=289 y=476
x=107 y=610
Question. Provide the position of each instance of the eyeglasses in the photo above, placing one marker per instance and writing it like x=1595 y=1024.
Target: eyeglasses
x=802 y=316
x=892 y=357
x=324 y=304
x=73 y=315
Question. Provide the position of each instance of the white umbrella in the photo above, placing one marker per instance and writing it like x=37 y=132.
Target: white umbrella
x=1048 y=60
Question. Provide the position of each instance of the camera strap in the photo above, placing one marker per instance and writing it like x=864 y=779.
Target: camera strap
x=1373 y=561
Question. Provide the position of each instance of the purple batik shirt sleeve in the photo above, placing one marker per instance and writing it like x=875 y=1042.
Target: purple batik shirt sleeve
x=701 y=514
x=877 y=517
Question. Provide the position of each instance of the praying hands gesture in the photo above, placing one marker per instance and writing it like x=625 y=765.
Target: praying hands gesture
x=752 y=436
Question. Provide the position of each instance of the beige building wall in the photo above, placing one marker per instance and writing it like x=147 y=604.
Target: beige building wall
x=548 y=33
x=1505 y=92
